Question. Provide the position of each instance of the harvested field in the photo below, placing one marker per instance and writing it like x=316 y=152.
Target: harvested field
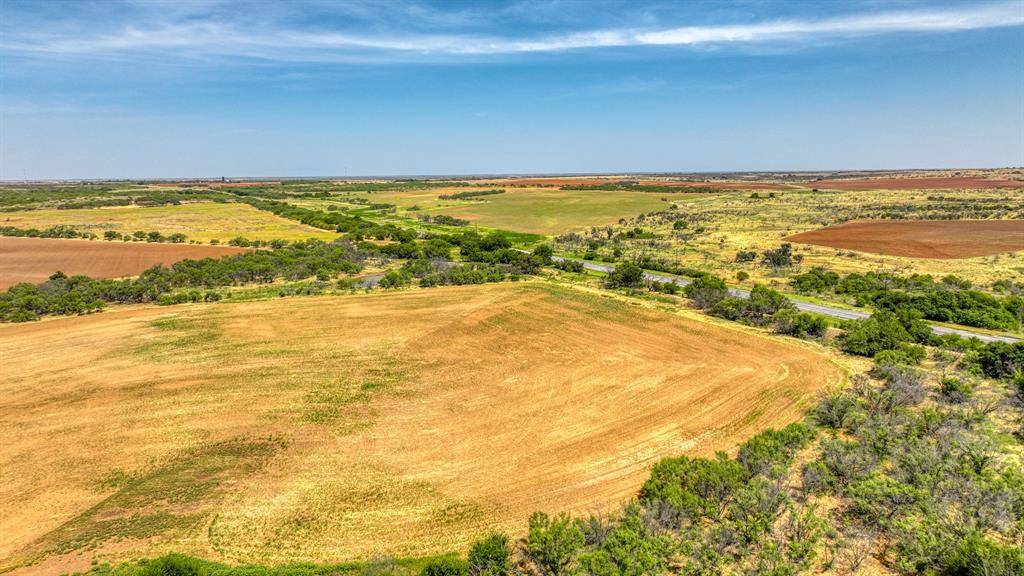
x=915 y=183
x=335 y=428
x=202 y=221
x=35 y=259
x=942 y=239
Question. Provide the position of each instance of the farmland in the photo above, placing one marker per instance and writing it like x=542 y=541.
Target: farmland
x=200 y=221
x=715 y=228
x=337 y=428
x=432 y=375
x=35 y=259
x=948 y=239
x=544 y=211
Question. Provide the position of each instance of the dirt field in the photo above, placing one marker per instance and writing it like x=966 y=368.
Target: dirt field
x=34 y=259
x=202 y=221
x=943 y=239
x=915 y=183
x=335 y=428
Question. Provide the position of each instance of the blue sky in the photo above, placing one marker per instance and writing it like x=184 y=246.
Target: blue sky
x=185 y=89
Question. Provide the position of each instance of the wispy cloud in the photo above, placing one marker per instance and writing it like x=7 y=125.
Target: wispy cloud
x=198 y=38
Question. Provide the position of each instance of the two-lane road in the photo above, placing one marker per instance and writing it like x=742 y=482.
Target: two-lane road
x=822 y=309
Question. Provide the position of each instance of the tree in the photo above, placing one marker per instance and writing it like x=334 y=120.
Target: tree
x=490 y=556
x=626 y=275
x=553 y=543
x=543 y=253
x=781 y=257
x=882 y=331
x=706 y=291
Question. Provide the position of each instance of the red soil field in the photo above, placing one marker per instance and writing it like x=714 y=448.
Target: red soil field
x=676 y=183
x=35 y=259
x=943 y=239
x=914 y=183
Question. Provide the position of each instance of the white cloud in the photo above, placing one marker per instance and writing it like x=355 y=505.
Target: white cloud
x=219 y=39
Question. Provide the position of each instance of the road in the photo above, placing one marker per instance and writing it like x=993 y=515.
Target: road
x=822 y=309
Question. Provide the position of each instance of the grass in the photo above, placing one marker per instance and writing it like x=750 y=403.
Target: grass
x=337 y=428
x=540 y=211
x=720 y=225
x=202 y=221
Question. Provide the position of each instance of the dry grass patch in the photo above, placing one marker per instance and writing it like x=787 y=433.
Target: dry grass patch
x=336 y=428
x=202 y=221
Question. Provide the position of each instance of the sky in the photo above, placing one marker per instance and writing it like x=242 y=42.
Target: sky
x=181 y=89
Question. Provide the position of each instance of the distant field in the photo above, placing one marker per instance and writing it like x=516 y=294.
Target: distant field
x=35 y=259
x=720 y=226
x=921 y=238
x=199 y=221
x=915 y=183
x=719 y=185
x=336 y=428
x=545 y=211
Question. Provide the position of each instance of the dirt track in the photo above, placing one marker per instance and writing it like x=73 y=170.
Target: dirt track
x=921 y=238
x=35 y=259
x=914 y=183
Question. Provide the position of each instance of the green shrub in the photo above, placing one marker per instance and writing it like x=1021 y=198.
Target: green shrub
x=979 y=556
x=444 y=567
x=956 y=390
x=490 y=556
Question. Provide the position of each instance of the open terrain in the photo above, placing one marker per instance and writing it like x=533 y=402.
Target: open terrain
x=921 y=238
x=543 y=211
x=916 y=183
x=720 y=226
x=202 y=221
x=600 y=181
x=334 y=428
x=35 y=259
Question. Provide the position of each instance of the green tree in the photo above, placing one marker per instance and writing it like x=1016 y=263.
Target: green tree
x=553 y=543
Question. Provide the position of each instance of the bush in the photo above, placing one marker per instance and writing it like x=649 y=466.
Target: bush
x=742 y=276
x=444 y=567
x=553 y=543
x=882 y=331
x=979 y=556
x=791 y=322
x=626 y=275
x=706 y=291
x=772 y=451
x=1001 y=360
x=956 y=390
x=490 y=556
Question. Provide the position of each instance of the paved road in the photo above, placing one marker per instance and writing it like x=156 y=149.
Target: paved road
x=805 y=306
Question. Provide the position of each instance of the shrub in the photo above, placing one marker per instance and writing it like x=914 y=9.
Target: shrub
x=706 y=291
x=553 y=543
x=791 y=322
x=490 y=556
x=626 y=275
x=1001 y=360
x=742 y=276
x=979 y=556
x=692 y=488
x=444 y=567
x=956 y=390
x=882 y=331
x=772 y=451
